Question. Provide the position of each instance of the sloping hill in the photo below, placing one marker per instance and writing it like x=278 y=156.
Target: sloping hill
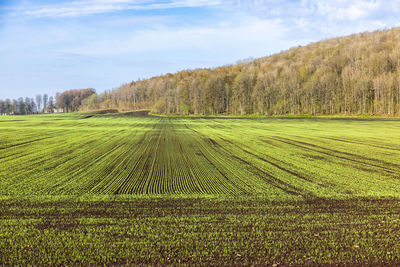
x=357 y=74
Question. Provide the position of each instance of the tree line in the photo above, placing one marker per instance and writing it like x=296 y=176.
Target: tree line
x=23 y=106
x=66 y=101
x=357 y=74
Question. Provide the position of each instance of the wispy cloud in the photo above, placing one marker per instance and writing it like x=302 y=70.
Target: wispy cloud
x=328 y=17
x=92 y=7
x=232 y=37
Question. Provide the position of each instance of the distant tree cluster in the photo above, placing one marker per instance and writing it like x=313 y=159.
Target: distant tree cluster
x=24 y=106
x=67 y=101
x=71 y=100
x=358 y=74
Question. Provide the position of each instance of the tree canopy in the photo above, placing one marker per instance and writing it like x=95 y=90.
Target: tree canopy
x=357 y=74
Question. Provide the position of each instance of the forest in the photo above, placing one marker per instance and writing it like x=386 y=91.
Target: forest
x=357 y=74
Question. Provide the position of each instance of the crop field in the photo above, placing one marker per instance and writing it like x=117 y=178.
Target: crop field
x=119 y=189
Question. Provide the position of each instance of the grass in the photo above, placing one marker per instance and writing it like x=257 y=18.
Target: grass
x=81 y=188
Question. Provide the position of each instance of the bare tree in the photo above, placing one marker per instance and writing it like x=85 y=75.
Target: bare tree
x=45 y=101
x=50 y=106
x=39 y=102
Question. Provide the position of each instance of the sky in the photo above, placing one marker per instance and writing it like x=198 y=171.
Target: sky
x=49 y=46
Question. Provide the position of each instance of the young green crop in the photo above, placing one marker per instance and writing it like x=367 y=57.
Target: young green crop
x=111 y=189
x=206 y=230
x=280 y=158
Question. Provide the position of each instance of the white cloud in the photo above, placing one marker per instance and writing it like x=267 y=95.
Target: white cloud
x=349 y=10
x=328 y=18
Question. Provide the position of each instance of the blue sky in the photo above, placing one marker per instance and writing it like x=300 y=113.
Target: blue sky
x=50 y=46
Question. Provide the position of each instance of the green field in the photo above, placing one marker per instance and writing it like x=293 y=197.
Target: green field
x=112 y=188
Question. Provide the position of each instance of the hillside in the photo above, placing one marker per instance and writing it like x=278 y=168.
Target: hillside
x=357 y=74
